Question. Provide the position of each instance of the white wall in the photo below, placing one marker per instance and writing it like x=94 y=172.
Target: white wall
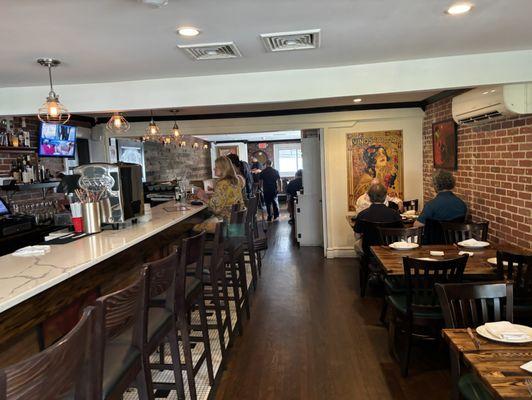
x=276 y=86
x=339 y=233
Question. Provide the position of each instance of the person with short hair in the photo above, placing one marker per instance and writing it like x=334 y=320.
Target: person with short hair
x=294 y=186
x=446 y=206
x=270 y=183
x=364 y=202
x=376 y=212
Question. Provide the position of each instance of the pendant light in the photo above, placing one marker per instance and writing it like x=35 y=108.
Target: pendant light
x=117 y=123
x=52 y=111
x=153 y=128
x=175 y=129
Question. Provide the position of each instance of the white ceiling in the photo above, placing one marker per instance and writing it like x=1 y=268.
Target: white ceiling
x=252 y=137
x=120 y=40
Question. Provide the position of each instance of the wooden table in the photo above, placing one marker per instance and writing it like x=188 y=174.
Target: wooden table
x=497 y=364
x=391 y=260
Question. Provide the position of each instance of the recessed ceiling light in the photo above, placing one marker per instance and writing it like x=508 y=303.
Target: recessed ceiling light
x=459 y=8
x=188 y=31
x=357 y=100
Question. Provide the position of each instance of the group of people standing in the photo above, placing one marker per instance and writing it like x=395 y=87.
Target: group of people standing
x=236 y=180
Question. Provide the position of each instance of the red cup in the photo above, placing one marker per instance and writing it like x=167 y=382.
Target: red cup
x=78 y=224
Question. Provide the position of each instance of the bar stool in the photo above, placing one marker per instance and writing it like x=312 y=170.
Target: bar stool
x=235 y=264
x=119 y=327
x=65 y=369
x=252 y=204
x=188 y=295
x=215 y=283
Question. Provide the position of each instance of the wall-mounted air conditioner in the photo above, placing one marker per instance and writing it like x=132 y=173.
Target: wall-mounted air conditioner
x=491 y=102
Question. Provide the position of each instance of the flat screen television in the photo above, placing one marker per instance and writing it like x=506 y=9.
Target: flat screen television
x=56 y=140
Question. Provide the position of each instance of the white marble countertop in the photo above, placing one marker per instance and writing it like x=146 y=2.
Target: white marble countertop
x=24 y=277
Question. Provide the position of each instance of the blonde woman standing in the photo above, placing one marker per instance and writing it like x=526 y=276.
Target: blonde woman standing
x=227 y=190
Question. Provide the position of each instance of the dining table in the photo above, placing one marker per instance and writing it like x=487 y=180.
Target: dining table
x=391 y=260
x=497 y=364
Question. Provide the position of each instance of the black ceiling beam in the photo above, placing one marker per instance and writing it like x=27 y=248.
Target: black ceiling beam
x=272 y=113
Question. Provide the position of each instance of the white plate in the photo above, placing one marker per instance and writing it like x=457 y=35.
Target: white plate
x=482 y=331
x=407 y=246
x=479 y=245
x=493 y=261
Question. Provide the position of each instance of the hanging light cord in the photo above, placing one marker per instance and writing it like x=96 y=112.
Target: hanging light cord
x=52 y=93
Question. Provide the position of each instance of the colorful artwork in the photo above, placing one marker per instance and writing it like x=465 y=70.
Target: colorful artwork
x=226 y=150
x=444 y=146
x=374 y=155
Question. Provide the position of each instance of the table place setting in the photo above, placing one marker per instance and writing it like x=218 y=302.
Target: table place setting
x=505 y=332
x=403 y=245
x=473 y=244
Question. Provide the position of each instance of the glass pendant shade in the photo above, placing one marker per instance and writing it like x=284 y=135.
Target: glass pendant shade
x=205 y=147
x=52 y=111
x=118 y=124
x=153 y=128
x=175 y=130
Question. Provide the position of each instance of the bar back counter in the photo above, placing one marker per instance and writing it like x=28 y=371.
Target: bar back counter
x=41 y=296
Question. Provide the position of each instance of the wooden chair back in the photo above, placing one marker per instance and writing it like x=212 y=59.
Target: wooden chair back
x=192 y=249
x=65 y=368
x=454 y=232
x=433 y=232
x=422 y=275
x=238 y=217
x=391 y=235
x=411 y=205
x=467 y=305
x=371 y=236
x=518 y=270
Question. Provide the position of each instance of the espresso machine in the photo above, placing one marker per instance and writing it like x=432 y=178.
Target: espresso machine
x=119 y=188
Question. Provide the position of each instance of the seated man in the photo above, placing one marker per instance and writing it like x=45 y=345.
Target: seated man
x=364 y=202
x=376 y=212
x=293 y=187
x=446 y=206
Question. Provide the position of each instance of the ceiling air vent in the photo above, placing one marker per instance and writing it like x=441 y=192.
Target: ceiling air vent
x=285 y=41
x=211 y=51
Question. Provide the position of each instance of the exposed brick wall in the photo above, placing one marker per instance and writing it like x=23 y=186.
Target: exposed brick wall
x=494 y=173
x=166 y=162
x=55 y=165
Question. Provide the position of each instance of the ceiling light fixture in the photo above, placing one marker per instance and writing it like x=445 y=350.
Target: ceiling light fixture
x=188 y=31
x=153 y=128
x=117 y=124
x=155 y=3
x=357 y=100
x=459 y=8
x=52 y=111
x=175 y=128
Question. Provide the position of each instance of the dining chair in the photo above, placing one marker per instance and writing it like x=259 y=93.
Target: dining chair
x=411 y=205
x=396 y=284
x=65 y=369
x=518 y=268
x=419 y=305
x=454 y=232
x=433 y=231
x=119 y=327
x=469 y=305
x=371 y=237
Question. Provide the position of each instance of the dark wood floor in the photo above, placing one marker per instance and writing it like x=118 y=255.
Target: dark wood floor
x=312 y=337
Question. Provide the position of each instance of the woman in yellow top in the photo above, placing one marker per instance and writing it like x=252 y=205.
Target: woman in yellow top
x=227 y=190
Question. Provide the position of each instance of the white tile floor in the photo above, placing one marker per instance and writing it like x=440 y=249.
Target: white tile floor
x=203 y=388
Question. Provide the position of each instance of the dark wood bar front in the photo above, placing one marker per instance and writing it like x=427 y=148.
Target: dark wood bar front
x=37 y=312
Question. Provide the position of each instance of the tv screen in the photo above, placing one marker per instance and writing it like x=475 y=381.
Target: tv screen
x=57 y=140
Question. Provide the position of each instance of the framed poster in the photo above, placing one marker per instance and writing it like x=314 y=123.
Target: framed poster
x=226 y=150
x=444 y=145
x=374 y=155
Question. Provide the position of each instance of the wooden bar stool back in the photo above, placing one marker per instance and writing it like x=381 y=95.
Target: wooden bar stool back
x=121 y=325
x=67 y=368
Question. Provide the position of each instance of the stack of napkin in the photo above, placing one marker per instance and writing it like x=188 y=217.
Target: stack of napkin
x=506 y=330
x=31 y=251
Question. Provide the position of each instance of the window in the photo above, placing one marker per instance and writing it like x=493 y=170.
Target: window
x=288 y=158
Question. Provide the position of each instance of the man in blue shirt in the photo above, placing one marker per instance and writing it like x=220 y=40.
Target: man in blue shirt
x=446 y=206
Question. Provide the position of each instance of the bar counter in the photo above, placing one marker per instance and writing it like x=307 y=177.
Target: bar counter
x=41 y=295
